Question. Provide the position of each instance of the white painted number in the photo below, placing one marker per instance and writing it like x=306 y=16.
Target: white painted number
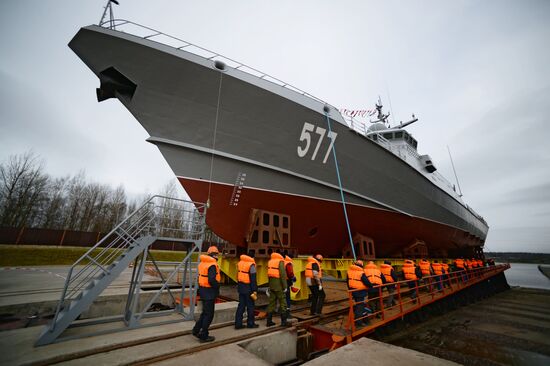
x=332 y=136
x=306 y=136
x=308 y=127
x=321 y=132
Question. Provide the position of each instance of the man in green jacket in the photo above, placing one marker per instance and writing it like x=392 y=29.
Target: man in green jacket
x=277 y=287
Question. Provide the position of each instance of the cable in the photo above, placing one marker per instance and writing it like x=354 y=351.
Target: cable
x=214 y=142
x=340 y=185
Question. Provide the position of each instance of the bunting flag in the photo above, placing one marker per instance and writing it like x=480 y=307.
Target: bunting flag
x=354 y=113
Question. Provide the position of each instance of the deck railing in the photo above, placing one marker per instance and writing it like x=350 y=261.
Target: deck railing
x=410 y=296
x=142 y=31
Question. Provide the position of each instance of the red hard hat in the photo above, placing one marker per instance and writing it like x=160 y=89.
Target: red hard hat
x=294 y=289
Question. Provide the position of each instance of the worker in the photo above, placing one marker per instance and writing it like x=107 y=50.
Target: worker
x=377 y=279
x=472 y=265
x=446 y=274
x=411 y=275
x=460 y=266
x=290 y=279
x=427 y=272
x=480 y=263
x=277 y=287
x=314 y=275
x=358 y=283
x=391 y=277
x=438 y=272
x=209 y=287
x=247 y=289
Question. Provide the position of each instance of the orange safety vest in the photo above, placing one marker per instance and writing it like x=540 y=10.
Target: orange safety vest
x=373 y=273
x=273 y=265
x=244 y=268
x=408 y=270
x=445 y=267
x=438 y=268
x=424 y=267
x=309 y=267
x=472 y=263
x=479 y=263
x=459 y=263
x=386 y=271
x=205 y=262
x=354 y=278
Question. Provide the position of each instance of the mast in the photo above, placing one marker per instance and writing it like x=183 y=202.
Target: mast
x=454 y=171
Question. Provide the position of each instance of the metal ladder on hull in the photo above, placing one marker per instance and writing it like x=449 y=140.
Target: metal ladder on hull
x=159 y=218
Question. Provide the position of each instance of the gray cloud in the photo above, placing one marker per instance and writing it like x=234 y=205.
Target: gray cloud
x=537 y=194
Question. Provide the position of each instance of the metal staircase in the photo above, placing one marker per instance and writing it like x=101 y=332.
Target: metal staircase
x=158 y=219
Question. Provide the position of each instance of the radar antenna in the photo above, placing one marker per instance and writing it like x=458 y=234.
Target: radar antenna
x=380 y=115
x=413 y=120
x=109 y=8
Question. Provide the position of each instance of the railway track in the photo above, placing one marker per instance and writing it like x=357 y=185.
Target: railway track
x=181 y=343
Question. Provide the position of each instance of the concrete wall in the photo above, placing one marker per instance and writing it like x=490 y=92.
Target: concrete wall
x=274 y=348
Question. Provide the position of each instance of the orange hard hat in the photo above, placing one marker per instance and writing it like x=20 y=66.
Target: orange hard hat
x=213 y=250
x=319 y=257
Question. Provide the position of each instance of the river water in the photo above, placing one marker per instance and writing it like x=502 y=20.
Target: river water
x=526 y=275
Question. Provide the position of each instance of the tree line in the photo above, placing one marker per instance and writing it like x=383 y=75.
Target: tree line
x=30 y=197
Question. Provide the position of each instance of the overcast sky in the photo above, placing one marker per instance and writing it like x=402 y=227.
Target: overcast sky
x=476 y=73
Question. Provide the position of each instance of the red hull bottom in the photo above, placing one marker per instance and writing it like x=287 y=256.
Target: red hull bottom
x=318 y=226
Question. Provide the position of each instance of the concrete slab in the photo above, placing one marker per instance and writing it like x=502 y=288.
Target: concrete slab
x=36 y=290
x=230 y=354
x=157 y=350
x=17 y=346
x=365 y=350
x=275 y=348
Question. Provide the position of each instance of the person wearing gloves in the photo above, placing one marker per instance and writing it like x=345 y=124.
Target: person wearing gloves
x=290 y=279
x=358 y=283
x=209 y=289
x=314 y=275
x=277 y=287
x=247 y=289
x=391 y=277
x=377 y=279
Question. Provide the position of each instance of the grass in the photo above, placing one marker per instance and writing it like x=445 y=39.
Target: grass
x=42 y=255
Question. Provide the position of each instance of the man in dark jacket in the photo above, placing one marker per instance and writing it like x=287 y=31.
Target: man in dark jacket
x=247 y=289
x=358 y=283
x=209 y=287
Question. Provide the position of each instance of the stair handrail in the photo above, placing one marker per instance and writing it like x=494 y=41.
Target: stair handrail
x=133 y=231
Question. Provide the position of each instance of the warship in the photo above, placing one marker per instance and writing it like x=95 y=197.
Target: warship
x=278 y=167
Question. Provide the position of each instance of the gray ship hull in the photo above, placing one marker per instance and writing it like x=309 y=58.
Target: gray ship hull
x=212 y=126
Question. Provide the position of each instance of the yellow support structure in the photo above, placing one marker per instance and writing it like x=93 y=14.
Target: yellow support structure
x=334 y=267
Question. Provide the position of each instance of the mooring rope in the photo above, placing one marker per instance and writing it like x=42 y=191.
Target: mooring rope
x=326 y=110
x=214 y=141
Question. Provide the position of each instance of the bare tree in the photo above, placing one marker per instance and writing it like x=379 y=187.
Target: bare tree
x=22 y=189
x=55 y=206
x=29 y=197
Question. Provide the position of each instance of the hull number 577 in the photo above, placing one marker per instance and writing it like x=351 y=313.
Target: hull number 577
x=309 y=133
